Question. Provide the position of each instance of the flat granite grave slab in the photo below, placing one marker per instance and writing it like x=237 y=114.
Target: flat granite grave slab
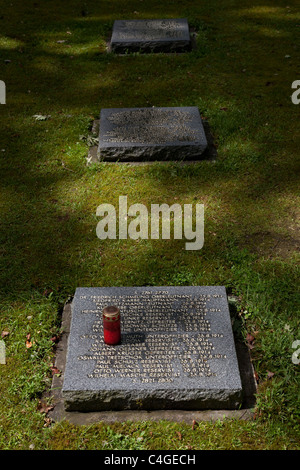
x=177 y=351
x=166 y=35
x=147 y=134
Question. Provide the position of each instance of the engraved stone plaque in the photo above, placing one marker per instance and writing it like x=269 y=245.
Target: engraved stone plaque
x=177 y=351
x=147 y=134
x=167 y=35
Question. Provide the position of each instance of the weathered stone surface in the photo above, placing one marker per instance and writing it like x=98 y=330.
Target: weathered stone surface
x=167 y=35
x=147 y=134
x=177 y=351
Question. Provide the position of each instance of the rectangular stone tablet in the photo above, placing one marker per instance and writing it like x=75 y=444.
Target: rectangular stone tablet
x=177 y=351
x=147 y=134
x=167 y=35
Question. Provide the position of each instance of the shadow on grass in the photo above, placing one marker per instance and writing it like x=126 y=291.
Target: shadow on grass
x=48 y=233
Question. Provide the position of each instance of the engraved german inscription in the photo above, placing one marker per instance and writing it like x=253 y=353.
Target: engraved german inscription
x=176 y=347
x=157 y=357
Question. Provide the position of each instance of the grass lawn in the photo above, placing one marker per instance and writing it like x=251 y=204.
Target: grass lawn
x=54 y=63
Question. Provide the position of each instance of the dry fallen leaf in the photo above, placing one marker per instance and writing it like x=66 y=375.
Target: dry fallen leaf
x=4 y=333
x=250 y=340
x=41 y=117
x=47 y=422
x=55 y=339
x=55 y=370
x=44 y=408
x=28 y=342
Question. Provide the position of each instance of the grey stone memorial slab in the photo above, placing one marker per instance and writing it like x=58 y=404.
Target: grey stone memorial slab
x=147 y=134
x=177 y=351
x=166 y=35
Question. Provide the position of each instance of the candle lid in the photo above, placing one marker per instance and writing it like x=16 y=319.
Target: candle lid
x=111 y=313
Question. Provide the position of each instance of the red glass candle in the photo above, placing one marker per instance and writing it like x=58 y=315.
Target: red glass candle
x=111 y=325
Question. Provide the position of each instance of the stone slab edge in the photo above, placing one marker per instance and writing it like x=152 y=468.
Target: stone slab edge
x=209 y=155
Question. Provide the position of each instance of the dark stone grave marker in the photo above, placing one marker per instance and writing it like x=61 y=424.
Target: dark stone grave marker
x=167 y=35
x=177 y=351
x=147 y=134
